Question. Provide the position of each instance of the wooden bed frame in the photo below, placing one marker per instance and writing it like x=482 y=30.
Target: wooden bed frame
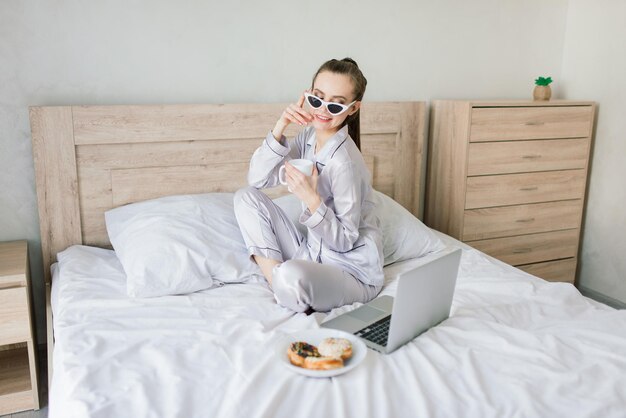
x=89 y=159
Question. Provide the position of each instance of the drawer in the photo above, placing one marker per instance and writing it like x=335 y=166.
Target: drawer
x=516 y=189
x=533 y=248
x=506 y=221
x=527 y=156
x=536 y=122
x=554 y=271
x=14 y=319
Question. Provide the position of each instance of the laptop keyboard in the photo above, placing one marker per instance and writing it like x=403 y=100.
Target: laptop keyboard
x=376 y=332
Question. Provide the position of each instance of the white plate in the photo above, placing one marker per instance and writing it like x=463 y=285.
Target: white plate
x=315 y=337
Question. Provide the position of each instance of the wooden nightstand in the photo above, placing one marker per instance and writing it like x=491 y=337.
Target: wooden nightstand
x=18 y=361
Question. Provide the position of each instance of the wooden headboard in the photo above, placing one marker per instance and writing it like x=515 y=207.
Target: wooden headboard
x=89 y=159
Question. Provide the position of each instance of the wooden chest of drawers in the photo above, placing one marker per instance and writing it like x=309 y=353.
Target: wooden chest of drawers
x=509 y=179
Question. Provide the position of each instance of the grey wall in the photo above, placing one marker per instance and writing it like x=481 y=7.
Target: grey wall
x=594 y=67
x=156 y=51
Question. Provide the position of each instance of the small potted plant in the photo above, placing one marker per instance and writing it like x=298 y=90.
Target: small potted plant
x=542 y=89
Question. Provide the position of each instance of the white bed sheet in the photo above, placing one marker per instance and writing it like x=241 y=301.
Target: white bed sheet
x=514 y=346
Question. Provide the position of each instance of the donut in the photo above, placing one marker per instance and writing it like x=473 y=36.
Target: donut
x=299 y=351
x=335 y=347
x=322 y=363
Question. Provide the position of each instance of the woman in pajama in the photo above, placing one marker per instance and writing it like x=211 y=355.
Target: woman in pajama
x=339 y=261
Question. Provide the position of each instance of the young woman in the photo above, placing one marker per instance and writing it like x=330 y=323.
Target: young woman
x=339 y=262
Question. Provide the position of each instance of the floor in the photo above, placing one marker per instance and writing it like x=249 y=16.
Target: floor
x=43 y=391
x=607 y=300
x=42 y=413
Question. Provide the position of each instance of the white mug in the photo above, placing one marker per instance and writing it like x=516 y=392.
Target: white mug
x=305 y=167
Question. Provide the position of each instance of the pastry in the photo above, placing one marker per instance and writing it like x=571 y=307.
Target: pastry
x=322 y=363
x=335 y=347
x=299 y=351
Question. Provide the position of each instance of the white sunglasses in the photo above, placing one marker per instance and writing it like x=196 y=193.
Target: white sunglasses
x=333 y=108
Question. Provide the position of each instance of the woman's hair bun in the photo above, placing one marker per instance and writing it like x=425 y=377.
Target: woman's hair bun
x=350 y=60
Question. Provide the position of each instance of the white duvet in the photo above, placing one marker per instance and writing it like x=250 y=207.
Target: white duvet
x=514 y=346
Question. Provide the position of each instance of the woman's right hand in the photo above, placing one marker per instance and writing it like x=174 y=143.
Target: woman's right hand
x=293 y=113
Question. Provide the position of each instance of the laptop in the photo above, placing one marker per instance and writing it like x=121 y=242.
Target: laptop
x=423 y=300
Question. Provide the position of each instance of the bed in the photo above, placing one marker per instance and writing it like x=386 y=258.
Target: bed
x=514 y=345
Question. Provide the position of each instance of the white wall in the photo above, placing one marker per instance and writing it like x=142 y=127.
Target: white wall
x=594 y=68
x=157 y=51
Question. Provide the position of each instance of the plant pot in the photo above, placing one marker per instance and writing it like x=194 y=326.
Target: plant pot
x=542 y=93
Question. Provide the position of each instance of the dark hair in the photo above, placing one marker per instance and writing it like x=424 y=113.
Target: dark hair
x=350 y=68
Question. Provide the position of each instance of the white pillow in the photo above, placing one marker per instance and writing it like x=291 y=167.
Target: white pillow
x=179 y=244
x=404 y=236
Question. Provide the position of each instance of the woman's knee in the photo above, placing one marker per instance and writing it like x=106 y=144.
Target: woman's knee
x=248 y=199
x=245 y=195
x=292 y=272
x=290 y=283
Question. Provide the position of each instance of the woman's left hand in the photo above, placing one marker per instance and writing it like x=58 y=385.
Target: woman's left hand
x=303 y=186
